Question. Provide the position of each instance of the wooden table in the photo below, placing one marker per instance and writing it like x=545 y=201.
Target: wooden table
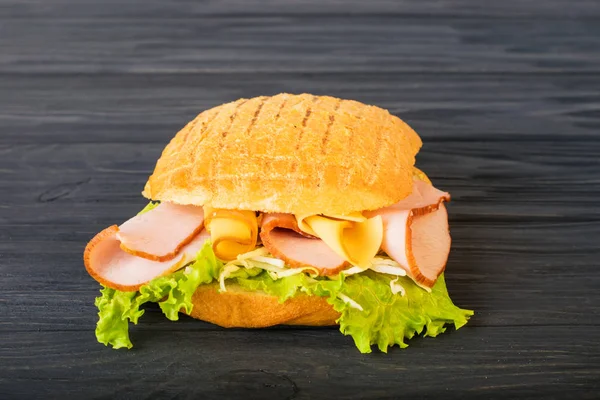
x=506 y=96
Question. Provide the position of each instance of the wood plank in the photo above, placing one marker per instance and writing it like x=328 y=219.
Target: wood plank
x=505 y=95
x=299 y=44
x=284 y=363
x=151 y=108
x=512 y=9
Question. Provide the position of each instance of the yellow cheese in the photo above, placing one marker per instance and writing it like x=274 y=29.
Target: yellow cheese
x=232 y=232
x=305 y=227
x=353 y=237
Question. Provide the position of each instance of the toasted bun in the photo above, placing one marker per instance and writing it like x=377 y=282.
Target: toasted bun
x=237 y=308
x=299 y=154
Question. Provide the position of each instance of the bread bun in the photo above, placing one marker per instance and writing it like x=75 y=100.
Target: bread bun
x=299 y=154
x=238 y=308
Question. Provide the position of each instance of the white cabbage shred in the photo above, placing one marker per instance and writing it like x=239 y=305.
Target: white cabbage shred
x=396 y=287
x=349 y=301
x=260 y=258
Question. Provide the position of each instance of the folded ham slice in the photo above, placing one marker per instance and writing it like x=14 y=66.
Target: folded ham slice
x=416 y=233
x=283 y=238
x=159 y=234
x=113 y=267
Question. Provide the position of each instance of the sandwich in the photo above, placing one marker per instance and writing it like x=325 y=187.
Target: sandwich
x=288 y=209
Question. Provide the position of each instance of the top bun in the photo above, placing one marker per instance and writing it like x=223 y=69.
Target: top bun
x=298 y=154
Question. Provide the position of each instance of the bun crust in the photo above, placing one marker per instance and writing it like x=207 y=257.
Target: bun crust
x=299 y=154
x=237 y=308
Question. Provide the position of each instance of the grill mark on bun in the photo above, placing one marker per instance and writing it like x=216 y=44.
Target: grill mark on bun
x=383 y=145
x=256 y=113
x=190 y=127
x=248 y=132
x=306 y=117
x=313 y=100
x=329 y=124
x=221 y=142
x=348 y=172
x=206 y=124
x=294 y=168
x=192 y=152
x=325 y=140
x=280 y=108
x=203 y=132
x=232 y=118
x=271 y=145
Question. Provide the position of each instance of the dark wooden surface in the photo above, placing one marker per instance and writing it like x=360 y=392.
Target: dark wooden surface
x=506 y=96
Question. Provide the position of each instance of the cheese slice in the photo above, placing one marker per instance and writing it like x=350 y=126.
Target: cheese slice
x=354 y=217
x=353 y=237
x=232 y=232
x=305 y=227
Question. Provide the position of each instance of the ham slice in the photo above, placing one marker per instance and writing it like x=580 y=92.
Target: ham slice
x=416 y=233
x=203 y=236
x=162 y=232
x=283 y=238
x=423 y=199
x=113 y=267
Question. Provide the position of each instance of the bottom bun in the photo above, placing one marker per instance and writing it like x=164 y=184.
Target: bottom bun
x=239 y=308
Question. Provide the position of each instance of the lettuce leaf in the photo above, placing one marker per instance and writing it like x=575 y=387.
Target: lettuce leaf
x=288 y=287
x=388 y=319
x=369 y=312
x=172 y=292
x=112 y=328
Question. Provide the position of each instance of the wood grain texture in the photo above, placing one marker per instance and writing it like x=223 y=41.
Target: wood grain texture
x=144 y=9
x=506 y=361
x=504 y=94
x=380 y=43
x=95 y=108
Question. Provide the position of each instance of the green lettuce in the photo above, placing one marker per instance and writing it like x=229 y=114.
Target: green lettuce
x=113 y=324
x=369 y=312
x=172 y=292
x=386 y=319
x=288 y=287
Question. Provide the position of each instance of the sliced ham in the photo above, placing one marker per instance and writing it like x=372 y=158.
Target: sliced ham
x=113 y=267
x=285 y=221
x=423 y=199
x=162 y=232
x=203 y=236
x=283 y=238
x=416 y=233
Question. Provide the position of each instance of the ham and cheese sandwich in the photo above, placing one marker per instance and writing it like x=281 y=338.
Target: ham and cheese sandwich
x=290 y=209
